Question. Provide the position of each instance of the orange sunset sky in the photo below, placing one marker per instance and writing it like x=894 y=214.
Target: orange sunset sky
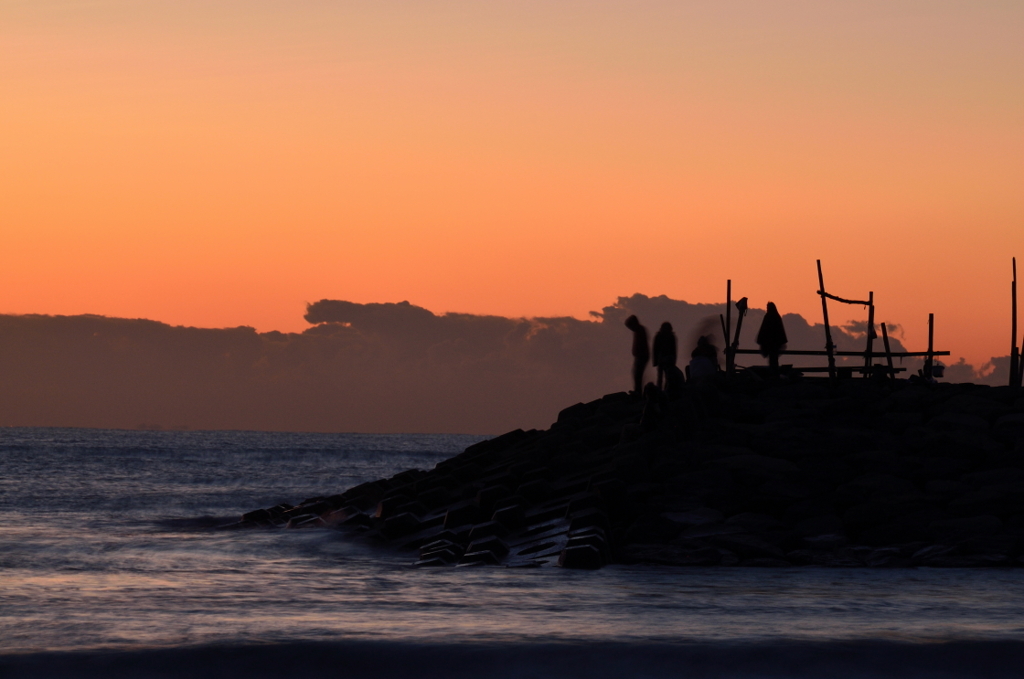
x=220 y=163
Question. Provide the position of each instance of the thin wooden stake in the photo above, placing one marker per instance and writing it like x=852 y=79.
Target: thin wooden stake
x=888 y=351
x=741 y=311
x=871 y=334
x=1014 y=352
x=729 y=358
x=928 y=361
x=1020 y=374
x=829 y=347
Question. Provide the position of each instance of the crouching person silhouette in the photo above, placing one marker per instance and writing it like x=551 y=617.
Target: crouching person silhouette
x=703 y=360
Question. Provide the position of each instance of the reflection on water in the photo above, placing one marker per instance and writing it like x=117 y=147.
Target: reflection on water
x=94 y=556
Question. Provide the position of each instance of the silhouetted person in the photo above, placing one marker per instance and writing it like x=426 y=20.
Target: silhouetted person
x=703 y=359
x=641 y=353
x=772 y=336
x=674 y=382
x=664 y=351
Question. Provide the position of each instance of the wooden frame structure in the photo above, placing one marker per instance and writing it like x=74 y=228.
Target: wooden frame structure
x=732 y=349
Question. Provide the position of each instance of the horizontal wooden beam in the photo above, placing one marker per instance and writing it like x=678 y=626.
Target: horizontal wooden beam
x=856 y=369
x=874 y=354
x=844 y=301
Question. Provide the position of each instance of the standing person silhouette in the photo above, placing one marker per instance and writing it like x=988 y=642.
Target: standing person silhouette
x=665 y=351
x=641 y=353
x=772 y=336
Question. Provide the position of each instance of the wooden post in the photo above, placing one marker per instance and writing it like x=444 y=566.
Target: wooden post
x=868 y=358
x=1014 y=352
x=931 y=347
x=729 y=358
x=741 y=311
x=829 y=347
x=1020 y=375
x=888 y=351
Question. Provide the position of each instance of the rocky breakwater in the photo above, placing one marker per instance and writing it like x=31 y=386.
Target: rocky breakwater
x=748 y=473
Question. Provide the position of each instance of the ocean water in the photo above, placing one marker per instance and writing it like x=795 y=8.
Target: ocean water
x=109 y=567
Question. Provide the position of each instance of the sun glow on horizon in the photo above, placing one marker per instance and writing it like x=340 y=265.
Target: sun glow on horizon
x=221 y=164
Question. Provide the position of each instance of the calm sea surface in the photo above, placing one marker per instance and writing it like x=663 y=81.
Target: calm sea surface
x=106 y=569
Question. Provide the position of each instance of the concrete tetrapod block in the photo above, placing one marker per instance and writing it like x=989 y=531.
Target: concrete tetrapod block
x=594 y=540
x=357 y=521
x=584 y=501
x=480 y=558
x=488 y=529
x=435 y=561
x=588 y=518
x=492 y=544
x=488 y=496
x=441 y=543
x=257 y=516
x=535 y=491
x=510 y=517
x=305 y=521
x=511 y=501
x=399 y=525
x=435 y=497
x=583 y=556
x=388 y=506
x=461 y=514
x=446 y=555
x=536 y=474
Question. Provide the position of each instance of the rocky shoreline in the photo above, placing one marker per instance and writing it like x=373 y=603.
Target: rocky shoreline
x=741 y=472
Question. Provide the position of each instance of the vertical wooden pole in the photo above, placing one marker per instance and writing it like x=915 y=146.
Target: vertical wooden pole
x=888 y=351
x=868 y=358
x=729 y=358
x=1020 y=375
x=931 y=347
x=829 y=347
x=1014 y=352
x=741 y=311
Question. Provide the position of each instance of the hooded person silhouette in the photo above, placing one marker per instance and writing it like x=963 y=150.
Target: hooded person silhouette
x=703 y=359
x=772 y=336
x=641 y=353
x=665 y=351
